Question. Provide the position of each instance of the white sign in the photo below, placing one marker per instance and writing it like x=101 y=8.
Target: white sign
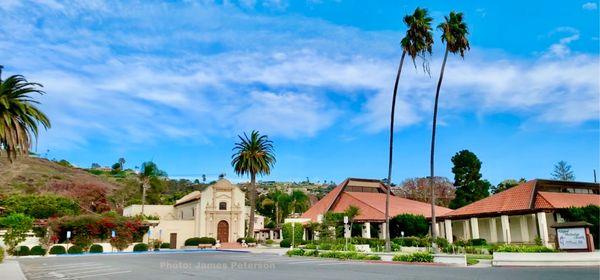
x=571 y=238
x=347 y=233
x=345 y=219
x=68 y=234
x=149 y=233
x=113 y=234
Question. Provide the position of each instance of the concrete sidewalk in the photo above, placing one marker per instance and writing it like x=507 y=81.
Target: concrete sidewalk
x=11 y=270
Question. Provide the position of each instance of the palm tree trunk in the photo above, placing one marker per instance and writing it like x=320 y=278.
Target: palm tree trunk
x=252 y=204
x=143 y=196
x=432 y=158
x=389 y=178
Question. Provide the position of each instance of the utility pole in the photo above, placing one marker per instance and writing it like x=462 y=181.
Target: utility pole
x=595 y=176
x=1 y=66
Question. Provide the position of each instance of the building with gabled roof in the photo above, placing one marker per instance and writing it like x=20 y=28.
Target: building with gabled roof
x=519 y=214
x=369 y=196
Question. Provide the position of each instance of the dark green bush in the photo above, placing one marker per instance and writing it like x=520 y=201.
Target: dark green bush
x=195 y=241
x=140 y=247
x=269 y=241
x=310 y=246
x=165 y=245
x=250 y=240
x=412 y=225
x=295 y=252
x=75 y=250
x=37 y=251
x=96 y=248
x=1 y=254
x=442 y=242
x=298 y=231
x=325 y=246
x=57 y=250
x=411 y=241
x=414 y=257
x=477 y=242
x=285 y=243
x=311 y=253
x=523 y=249
x=21 y=251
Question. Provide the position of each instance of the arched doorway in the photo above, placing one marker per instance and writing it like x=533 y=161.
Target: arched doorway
x=223 y=231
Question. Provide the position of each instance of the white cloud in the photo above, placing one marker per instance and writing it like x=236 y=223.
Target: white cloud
x=217 y=71
x=590 y=6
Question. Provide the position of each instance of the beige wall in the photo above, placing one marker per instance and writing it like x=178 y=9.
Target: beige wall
x=163 y=211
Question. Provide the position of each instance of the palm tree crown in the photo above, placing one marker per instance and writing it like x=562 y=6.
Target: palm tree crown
x=454 y=33
x=19 y=116
x=253 y=155
x=418 y=40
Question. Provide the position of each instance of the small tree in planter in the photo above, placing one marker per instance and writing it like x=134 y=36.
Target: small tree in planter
x=17 y=227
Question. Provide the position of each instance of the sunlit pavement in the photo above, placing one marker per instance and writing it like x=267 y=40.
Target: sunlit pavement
x=239 y=265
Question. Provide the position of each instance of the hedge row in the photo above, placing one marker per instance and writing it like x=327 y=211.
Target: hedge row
x=414 y=257
x=195 y=241
x=332 y=254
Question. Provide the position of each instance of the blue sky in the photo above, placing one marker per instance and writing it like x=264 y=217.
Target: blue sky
x=176 y=81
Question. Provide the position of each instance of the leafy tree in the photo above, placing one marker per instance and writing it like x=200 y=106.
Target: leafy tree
x=412 y=225
x=253 y=155
x=40 y=206
x=150 y=176
x=467 y=179
x=17 y=225
x=418 y=41
x=116 y=168
x=562 y=171
x=19 y=115
x=506 y=184
x=454 y=34
x=419 y=189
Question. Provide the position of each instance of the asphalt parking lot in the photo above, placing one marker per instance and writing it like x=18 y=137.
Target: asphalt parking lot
x=239 y=265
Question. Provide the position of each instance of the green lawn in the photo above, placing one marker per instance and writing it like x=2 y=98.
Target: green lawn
x=474 y=259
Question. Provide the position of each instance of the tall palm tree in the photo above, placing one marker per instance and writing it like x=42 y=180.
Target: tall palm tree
x=19 y=115
x=253 y=155
x=454 y=34
x=149 y=174
x=418 y=41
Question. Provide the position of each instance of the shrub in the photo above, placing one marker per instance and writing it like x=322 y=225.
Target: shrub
x=37 y=251
x=412 y=225
x=140 y=247
x=442 y=242
x=165 y=245
x=195 y=241
x=20 y=251
x=75 y=250
x=57 y=250
x=310 y=246
x=373 y=258
x=523 y=249
x=96 y=248
x=17 y=226
x=40 y=206
x=477 y=242
x=250 y=240
x=311 y=253
x=298 y=231
x=285 y=243
x=1 y=254
x=372 y=242
x=295 y=252
x=325 y=246
x=411 y=241
x=269 y=242
x=414 y=257
x=239 y=240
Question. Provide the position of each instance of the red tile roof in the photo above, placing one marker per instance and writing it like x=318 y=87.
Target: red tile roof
x=565 y=200
x=521 y=199
x=371 y=204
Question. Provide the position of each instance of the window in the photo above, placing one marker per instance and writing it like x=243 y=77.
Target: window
x=222 y=205
x=181 y=212
x=192 y=212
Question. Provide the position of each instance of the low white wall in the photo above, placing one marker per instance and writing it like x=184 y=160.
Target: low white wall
x=546 y=259
x=453 y=260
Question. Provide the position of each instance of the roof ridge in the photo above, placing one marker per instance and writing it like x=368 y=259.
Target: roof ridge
x=365 y=203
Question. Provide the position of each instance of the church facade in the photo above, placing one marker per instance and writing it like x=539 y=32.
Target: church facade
x=217 y=211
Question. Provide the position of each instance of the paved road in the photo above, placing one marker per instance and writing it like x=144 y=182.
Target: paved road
x=229 y=265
